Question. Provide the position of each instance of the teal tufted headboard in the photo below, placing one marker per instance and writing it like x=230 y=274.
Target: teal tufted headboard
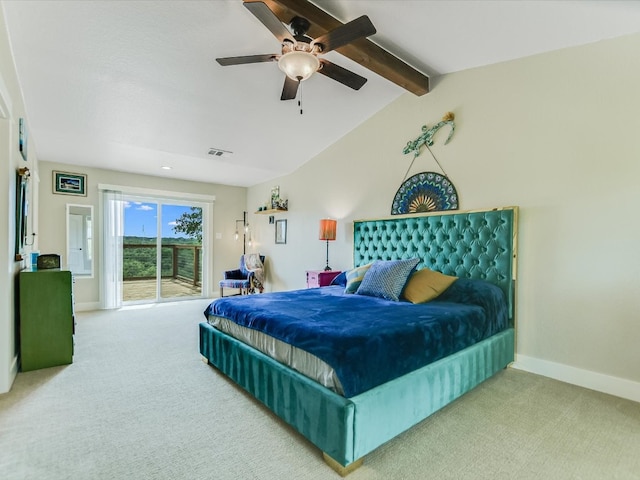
x=474 y=244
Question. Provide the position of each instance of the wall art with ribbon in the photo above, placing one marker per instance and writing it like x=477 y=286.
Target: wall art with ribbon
x=426 y=191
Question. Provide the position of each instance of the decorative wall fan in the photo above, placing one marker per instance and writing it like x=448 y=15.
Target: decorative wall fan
x=300 y=56
x=425 y=192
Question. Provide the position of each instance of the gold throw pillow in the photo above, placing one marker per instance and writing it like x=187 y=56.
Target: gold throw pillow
x=425 y=285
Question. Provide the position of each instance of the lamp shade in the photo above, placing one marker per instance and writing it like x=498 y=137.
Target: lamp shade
x=327 y=229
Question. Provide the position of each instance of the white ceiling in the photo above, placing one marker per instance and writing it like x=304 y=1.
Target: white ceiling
x=133 y=86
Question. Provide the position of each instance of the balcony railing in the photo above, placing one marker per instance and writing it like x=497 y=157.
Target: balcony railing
x=179 y=262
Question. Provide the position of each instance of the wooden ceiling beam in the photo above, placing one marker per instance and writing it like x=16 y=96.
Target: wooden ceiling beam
x=362 y=51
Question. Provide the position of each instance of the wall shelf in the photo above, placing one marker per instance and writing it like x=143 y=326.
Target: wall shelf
x=271 y=211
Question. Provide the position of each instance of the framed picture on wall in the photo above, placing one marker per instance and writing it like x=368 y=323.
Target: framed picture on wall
x=66 y=183
x=22 y=138
x=22 y=211
x=281 y=231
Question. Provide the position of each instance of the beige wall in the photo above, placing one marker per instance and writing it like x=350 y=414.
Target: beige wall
x=555 y=134
x=228 y=205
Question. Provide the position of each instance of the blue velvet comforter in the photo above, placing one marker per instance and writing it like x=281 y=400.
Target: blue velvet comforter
x=366 y=340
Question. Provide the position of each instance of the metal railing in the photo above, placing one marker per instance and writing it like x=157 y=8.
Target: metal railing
x=180 y=262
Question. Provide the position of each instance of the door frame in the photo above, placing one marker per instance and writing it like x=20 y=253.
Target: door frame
x=205 y=202
x=159 y=204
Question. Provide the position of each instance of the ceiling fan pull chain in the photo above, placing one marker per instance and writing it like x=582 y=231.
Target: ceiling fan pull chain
x=300 y=97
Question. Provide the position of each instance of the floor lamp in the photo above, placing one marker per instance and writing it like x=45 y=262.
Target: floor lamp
x=327 y=232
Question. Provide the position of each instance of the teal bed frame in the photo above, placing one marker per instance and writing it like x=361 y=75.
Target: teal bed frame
x=473 y=244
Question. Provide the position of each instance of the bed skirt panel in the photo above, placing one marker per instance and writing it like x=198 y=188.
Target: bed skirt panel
x=320 y=415
x=349 y=428
x=386 y=411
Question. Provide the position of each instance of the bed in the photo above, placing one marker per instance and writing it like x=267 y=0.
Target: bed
x=336 y=395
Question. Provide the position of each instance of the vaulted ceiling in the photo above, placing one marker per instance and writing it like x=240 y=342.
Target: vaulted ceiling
x=133 y=86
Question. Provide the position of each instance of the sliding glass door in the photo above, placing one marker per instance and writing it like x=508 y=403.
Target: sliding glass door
x=181 y=251
x=161 y=250
x=140 y=250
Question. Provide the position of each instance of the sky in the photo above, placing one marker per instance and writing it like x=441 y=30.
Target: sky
x=141 y=219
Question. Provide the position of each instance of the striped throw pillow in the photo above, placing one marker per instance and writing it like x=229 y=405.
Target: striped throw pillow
x=354 y=278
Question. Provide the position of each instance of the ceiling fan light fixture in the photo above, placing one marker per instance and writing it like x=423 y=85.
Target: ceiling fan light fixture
x=299 y=65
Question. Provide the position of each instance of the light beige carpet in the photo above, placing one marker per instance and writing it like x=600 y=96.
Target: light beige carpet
x=138 y=403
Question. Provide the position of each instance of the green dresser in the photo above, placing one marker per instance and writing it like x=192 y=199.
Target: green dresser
x=46 y=318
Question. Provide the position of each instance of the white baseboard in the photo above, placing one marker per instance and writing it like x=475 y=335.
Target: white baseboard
x=86 y=307
x=7 y=382
x=619 y=387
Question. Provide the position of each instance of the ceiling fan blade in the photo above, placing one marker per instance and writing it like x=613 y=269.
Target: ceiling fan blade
x=269 y=20
x=290 y=89
x=342 y=75
x=336 y=38
x=269 y=57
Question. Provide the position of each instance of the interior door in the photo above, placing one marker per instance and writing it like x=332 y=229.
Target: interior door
x=76 y=243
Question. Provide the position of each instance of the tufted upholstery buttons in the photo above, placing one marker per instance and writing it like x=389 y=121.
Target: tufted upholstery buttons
x=475 y=245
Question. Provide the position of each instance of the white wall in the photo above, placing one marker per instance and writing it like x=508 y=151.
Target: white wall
x=228 y=206
x=555 y=134
x=10 y=161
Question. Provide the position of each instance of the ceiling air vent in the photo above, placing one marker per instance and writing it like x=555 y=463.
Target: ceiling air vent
x=216 y=152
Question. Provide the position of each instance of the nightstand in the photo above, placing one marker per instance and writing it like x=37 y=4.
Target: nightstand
x=321 y=278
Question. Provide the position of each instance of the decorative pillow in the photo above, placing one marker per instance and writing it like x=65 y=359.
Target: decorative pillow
x=340 y=279
x=354 y=278
x=387 y=278
x=425 y=285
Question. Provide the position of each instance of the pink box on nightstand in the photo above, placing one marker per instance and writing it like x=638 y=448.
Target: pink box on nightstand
x=321 y=278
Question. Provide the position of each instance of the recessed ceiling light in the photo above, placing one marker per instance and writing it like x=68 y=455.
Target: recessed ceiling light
x=164 y=167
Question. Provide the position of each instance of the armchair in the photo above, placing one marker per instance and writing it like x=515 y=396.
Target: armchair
x=247 y=278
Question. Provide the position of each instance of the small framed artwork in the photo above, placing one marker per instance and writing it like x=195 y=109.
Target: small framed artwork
x=22 y=207
x=281 y=231
x=22 y=138
x=66 y=183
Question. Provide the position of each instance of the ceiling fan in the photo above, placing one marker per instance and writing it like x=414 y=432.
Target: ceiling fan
x=300 y=58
